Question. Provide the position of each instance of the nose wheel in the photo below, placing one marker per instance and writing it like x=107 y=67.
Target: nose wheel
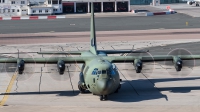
x=103 y=97
x=81 y=89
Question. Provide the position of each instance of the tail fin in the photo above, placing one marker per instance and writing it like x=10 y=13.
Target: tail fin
x=93 y=44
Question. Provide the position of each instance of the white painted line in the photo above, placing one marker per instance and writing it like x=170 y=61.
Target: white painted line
x=6 y=18
x=42 y=17
x=59 y=17
x=25 y=17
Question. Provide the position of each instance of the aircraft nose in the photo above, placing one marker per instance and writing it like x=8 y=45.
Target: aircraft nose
x=104 y=86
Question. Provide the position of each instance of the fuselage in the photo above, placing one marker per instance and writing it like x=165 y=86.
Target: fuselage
x=100 y=76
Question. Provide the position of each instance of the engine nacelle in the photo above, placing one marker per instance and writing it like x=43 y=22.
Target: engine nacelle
x=61 y=67
x=138 y=65
x=20 y=66
x=178 y=63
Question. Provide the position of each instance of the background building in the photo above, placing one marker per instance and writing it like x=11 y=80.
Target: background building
x=83 y=6
x=49 y=7
x=147 y=2
x=30 y=7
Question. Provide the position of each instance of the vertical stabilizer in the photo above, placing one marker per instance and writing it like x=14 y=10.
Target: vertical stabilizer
x=93 y=44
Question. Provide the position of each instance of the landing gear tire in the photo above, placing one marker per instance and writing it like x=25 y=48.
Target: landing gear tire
x=103 y=97
x=81 y=89
x=197 y=4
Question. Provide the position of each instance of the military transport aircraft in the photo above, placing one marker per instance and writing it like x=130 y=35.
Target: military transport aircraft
x=99 y=74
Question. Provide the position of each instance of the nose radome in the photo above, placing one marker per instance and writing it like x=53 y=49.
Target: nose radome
x=104 y=76
x=104 y=86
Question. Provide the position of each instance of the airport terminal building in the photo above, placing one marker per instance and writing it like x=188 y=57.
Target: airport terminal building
x=83 y=6
x=26 y=7
x=50 y=7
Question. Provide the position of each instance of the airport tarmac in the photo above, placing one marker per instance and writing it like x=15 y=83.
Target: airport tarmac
x=173 y=21
x=158 y=88
x=183 y=8
x=102 y=36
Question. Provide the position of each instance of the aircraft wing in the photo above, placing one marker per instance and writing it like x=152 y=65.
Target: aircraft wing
x=53 y=60
x=124 y=59
x=79 y=52
x=138 y=60
x=62 y=52
x=122 y=51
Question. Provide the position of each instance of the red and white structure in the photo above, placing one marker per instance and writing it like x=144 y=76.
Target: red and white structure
x=32 y=17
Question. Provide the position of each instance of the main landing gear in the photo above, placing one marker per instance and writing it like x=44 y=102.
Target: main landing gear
x=103 y=97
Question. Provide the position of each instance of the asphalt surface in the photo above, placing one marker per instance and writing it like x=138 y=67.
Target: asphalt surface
x=149 y=91
x=173 y=21
x=102 y=36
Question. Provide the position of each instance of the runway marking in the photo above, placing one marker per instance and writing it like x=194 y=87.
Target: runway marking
x=5 y=97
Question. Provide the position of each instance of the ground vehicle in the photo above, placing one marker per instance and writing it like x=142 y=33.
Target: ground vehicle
x=196 y=2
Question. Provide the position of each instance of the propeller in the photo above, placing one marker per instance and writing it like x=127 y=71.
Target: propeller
x=2 y=65
x=22 y=74
x=146 y=68
x=179 y=67
x=61 y=71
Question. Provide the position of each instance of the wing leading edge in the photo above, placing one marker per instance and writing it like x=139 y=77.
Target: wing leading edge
x=46 y=60
x=126 y=59
x=98 y=51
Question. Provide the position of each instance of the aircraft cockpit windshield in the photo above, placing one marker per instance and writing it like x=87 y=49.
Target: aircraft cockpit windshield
x=111 y=71
x=96 y=71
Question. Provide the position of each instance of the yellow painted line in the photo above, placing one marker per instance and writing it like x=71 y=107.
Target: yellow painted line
x=5 y=97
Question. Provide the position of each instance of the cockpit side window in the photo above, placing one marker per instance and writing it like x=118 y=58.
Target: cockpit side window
x=108 y=71
x=112 y=69
x=113 y=66
x=103 y=71
x=99 y=72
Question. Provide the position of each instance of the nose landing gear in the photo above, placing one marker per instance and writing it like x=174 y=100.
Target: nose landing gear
x=81 y=89
x=103 y=97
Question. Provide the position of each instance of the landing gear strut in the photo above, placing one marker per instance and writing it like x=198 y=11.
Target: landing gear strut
x=103 y=97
